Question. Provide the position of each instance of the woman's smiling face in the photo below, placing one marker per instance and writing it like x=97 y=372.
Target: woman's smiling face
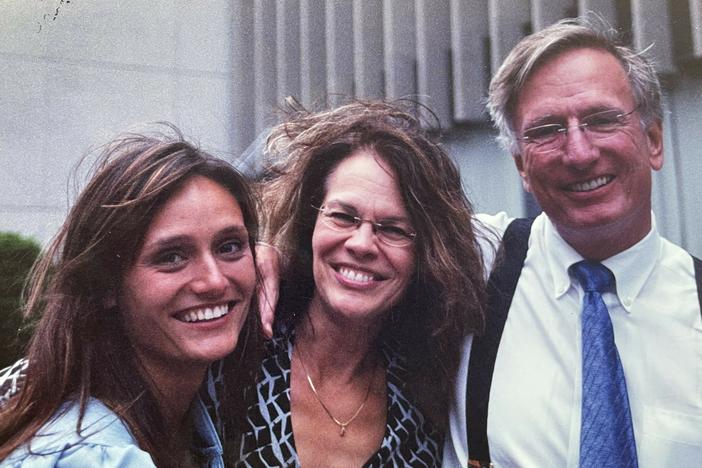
x=186 y=297
x=356 y=275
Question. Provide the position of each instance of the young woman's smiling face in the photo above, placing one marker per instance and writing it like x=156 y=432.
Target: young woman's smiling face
x=357 y=276
x=186 y=297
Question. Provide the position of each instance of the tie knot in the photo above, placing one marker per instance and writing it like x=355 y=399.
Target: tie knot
x=593 y=276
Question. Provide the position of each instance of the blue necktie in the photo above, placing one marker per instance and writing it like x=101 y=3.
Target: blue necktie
x=606 y=432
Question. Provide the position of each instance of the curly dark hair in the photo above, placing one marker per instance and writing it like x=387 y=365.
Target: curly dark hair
x=445 y=299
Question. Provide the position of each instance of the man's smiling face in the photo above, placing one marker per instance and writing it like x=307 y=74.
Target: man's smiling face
x=588 y=185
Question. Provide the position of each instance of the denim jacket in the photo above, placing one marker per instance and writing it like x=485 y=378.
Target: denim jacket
x=104 y=440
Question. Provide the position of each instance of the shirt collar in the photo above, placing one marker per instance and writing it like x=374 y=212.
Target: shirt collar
x=631 y=268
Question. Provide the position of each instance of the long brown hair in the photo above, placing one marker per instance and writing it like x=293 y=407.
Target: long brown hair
x=78 y=348
x=445 y=300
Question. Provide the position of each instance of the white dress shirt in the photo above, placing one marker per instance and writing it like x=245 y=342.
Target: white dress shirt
x=535 y=398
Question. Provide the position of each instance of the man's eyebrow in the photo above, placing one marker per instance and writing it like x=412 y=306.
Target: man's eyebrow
x=600 y=108
x=548 y=119
x=545 y=119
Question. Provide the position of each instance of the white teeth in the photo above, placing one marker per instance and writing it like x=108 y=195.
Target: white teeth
x=591 y=184
x=190 y=317
x=354 y=275
x=217 y=312
x=206 y=313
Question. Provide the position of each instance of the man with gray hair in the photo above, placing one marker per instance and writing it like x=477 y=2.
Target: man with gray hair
x=592 y=355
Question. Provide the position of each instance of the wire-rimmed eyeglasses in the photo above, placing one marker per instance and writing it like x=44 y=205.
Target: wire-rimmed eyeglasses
x=392 y=233
x=598 y=126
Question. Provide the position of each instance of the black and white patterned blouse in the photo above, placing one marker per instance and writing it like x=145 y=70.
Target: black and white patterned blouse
x=409 y=439
x=11 y=380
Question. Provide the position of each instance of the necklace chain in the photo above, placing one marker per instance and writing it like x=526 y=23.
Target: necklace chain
x=342 y=425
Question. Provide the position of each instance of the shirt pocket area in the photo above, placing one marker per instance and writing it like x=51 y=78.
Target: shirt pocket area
x=670 y=438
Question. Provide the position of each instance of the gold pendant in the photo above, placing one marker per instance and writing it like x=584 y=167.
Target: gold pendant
x=342 y=431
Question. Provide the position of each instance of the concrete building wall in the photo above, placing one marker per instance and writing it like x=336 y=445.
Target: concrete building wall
x=73 y=74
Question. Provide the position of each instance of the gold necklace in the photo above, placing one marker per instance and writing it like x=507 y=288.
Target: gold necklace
x=342 y=425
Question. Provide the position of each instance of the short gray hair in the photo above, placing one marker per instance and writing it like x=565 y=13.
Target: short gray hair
x=568 y=34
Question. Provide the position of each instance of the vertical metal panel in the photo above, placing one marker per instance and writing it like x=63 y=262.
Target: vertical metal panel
x=685 y=117
x=546 y=12
x=651 y=28
x=400 y=48
x=696 y=23
x=288 y=48
x=368 y=48
x=605 y=9
x=433 y=57
x=471 y=68
x=508 y=21
x=667 y=201
x=265 y=83
x=313 y=52
x=339 y=50
x=242 y=129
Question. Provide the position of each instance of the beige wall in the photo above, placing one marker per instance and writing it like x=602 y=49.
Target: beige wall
x=73 y=80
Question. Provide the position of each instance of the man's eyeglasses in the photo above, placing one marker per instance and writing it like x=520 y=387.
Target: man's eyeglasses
x=393 y=233
x=597 y=126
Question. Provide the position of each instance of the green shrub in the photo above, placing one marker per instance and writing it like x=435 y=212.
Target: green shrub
x=17 y=254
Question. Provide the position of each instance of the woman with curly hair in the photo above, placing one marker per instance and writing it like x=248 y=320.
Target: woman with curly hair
x=382 y=281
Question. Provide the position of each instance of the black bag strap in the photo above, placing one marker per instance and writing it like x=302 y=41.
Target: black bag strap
x=698 y=279
x=501 y=286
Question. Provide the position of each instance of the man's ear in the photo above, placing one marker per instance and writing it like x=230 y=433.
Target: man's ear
x=654 y=140
x=519 y=162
